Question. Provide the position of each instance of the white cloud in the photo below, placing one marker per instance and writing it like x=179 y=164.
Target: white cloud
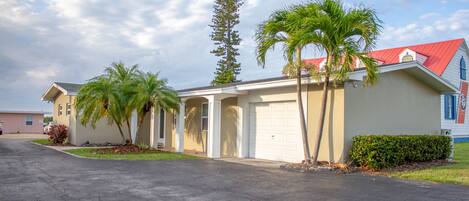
x=42 y=73
x=442 y=27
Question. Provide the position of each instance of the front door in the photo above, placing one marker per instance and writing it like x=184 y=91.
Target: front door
x=161 y=136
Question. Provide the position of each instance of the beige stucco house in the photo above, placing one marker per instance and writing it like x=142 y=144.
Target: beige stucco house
x=259 y=119
x=63 y=95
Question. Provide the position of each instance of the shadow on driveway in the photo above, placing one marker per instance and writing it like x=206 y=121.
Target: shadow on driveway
x=32 y=172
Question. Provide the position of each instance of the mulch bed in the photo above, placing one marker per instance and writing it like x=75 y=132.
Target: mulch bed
x=341 y=168
x=126 y=149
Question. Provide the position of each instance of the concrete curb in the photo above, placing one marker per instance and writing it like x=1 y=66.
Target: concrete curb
x=64 y=151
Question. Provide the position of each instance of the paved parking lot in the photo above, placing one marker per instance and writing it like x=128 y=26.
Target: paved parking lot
x=33 y=172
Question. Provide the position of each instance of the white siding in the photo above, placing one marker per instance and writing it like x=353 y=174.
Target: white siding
x=451 y=74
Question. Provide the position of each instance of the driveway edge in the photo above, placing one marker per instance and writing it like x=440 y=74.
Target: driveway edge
x=64 y=151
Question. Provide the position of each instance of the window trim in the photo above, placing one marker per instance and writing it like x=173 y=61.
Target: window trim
x=462 y=69
x=450 y=107
x=59 y=110
x=28 y=122
x=68 y=109
x=202 y=117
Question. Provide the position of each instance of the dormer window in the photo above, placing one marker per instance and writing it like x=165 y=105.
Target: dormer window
x=407 y=58
x=462 y=69
x=410 y=55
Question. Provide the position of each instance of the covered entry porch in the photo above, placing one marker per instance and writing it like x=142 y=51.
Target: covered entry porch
x=207 y=124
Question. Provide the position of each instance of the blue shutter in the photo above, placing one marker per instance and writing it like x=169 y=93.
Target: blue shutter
x=446 y=107
x=453 y=107
x=462 y=69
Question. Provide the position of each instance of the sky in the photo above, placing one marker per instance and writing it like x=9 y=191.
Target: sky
x=74 y=40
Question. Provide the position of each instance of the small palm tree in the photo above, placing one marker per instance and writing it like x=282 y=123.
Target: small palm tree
x=124 y=78
x=97 y=99
x=346 y=36
x=281 y=28
x=153 y=92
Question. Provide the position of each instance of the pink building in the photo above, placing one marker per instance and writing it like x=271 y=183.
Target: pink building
x=21 y=121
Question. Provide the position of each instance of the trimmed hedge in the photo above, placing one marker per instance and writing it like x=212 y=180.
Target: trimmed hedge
x=382 y=151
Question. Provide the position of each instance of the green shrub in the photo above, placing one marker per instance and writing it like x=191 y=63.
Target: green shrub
x=382 y=151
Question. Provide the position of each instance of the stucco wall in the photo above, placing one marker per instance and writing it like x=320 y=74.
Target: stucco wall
x=16 y=123
x=103 y=133
x=194 y=138
x=332 y=142
x=61 y=99
x=228 y=132
x=397 y=104
x=79 y=134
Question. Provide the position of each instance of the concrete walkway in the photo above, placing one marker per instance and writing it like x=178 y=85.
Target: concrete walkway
x=24 y=136
x=31 y=172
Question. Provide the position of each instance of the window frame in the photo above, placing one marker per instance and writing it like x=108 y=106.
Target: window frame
x=68 y=109
x=450 y=107
x=28 y=121
x=59 y=109
x=462 y=69
x=202 y=117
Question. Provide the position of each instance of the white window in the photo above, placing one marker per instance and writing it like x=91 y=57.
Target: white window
x=204 y=117
x=29 y=120
x=68 y=108
x=59 y=109
x=407 y=58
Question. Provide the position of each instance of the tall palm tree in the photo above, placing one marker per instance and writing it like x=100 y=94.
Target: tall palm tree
x=281 y=28
x=153 y=92
x=125 y=78
x=97 y=99
x=346 y=36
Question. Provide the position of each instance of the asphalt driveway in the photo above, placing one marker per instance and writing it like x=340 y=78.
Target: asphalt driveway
x=32 y=172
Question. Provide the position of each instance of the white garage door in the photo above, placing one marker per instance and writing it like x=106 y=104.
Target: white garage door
x=275 y=132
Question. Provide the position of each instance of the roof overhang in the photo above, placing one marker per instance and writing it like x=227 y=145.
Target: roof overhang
x=52 y=92
x=417 y=70
x=414 y=68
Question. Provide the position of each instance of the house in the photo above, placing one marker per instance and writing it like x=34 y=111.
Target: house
x=63 y=95
x=259 y=119
x=447 y=59
x=21 y=121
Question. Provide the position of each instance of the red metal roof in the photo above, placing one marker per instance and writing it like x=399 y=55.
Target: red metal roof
x=439 y=54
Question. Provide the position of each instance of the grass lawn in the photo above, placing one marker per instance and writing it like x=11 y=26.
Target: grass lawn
x=91 y=153
x=457 y=173
x=43 y=142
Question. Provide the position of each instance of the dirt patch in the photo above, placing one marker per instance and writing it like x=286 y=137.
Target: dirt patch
x=126 y=149
x=338 y=168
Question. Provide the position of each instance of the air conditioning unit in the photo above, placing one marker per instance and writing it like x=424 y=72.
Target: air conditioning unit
x=446 y=132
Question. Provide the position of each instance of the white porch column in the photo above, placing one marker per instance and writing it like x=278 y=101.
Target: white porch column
x=243 y=127
x=214 y=125
x=180 y=121
x=133 y=125
x=154 y=127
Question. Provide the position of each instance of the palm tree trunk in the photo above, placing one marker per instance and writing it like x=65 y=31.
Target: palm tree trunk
x=304 y=132
x=121 y=132
x=321 y=120
x=130 y=130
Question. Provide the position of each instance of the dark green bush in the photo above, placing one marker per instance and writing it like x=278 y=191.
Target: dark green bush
x=382 y=151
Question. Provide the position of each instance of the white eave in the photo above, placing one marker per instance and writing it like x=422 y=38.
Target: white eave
x=414 y=68
x=52 y=91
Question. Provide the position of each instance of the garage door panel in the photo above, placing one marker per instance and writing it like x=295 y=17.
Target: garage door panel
x=274 y=132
